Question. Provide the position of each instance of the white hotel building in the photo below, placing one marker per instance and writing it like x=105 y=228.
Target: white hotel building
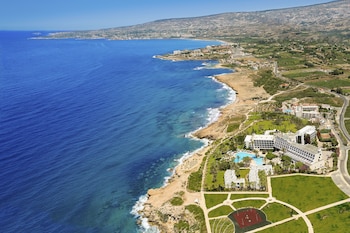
x=292 y=144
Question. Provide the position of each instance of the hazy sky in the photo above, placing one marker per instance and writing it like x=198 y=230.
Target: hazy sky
x=96 y=14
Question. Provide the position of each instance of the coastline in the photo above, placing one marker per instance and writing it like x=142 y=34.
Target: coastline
x=158 y=200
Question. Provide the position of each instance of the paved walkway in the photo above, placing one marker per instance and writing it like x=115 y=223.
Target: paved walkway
x=270 y=199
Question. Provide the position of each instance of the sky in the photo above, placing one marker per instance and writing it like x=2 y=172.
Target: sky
x=98 y=14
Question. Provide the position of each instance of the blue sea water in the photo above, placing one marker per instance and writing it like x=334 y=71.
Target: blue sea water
x=88 y=126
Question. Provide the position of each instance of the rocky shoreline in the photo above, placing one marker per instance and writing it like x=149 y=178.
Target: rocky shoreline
x=158 y=208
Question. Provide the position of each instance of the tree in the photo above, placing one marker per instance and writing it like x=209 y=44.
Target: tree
x=247 y=160
x=286 y=161
x=262 y=178
x=298 y=165
x=270 y=155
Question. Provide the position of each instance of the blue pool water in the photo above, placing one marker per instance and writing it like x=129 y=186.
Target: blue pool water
x=240 y=155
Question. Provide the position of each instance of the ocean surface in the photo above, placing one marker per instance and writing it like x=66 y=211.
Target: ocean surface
x=88 y=126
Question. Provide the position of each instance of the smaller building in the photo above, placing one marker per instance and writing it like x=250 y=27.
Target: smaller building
x=306 y=135
x=254 y=180
x=231 y=180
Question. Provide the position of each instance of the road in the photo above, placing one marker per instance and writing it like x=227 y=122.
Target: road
x=341 y=177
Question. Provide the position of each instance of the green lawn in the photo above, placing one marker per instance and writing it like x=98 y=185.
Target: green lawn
x=222 y=225
x=261 y=126
x=306 y=192
x=347 y=125
x=220 y=211
x=347 y=112
x=214 y=199
x=239 y=196
x=249 y=203
x=294 y=226
x=336 y=219
x=348 y=163
x=276 y=212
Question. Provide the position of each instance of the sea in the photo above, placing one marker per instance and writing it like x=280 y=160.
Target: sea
x=88 y=126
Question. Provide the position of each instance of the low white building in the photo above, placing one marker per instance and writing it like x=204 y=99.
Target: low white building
x=231 y=180
x=254 y=180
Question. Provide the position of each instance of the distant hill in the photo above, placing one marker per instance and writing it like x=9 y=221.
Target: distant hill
x=326 y=20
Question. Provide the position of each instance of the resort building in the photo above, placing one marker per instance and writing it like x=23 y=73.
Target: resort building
x=254 y=180
x=307 y=111
x=231 y=180
x=295 y=145
x=259 y=142
x=306 y=135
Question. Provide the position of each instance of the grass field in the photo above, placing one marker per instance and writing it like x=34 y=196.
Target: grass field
x=276 y=212
x=249 y=203
x=336 y=219
x=294 y=226
x=347 y=125
x=220 y=211
x=239 y=196
x=306 y=192
x=348 y=162
x=222 y=225
x=214 y=199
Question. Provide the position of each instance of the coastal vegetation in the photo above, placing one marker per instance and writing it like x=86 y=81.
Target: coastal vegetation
x=199 y=225
x=298 y=190
x=268 y=81
x=177 y=201
x=195 y=225
x=194 y=182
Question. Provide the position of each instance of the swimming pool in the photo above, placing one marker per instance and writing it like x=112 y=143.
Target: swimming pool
x=240 y=155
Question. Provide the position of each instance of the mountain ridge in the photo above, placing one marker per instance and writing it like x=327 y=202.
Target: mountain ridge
x=324 y=17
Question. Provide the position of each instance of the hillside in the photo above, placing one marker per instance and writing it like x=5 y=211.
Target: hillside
x=322 y=20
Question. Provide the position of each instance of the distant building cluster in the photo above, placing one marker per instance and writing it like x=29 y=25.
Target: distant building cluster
x=306 y=111
x=295 y=145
